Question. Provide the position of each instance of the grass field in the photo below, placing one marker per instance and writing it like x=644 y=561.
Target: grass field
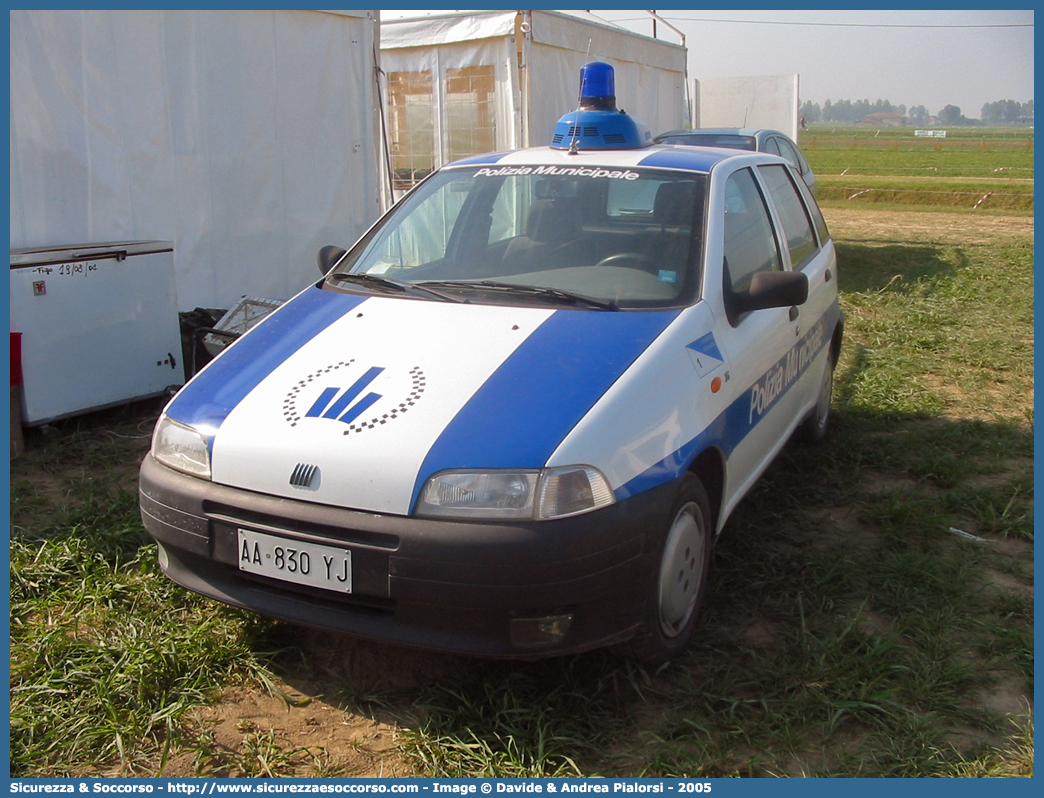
x=957 y=139
x=973 y=169
x=848 y=629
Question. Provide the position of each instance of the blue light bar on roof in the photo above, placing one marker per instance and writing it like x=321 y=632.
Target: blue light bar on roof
x=598 y=86
x=597 y=125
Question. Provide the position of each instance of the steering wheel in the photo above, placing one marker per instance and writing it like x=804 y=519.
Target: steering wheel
x=638 y=259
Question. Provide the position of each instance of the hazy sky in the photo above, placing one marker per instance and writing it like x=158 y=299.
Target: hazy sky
x=933 y=63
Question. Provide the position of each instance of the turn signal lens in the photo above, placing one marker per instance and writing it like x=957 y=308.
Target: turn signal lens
x=573 y=490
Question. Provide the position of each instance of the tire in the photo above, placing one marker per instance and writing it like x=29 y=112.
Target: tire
x=676 y=586
x=814 y=430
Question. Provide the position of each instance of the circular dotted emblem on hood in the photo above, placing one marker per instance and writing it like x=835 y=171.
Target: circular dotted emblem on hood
x=348 y=393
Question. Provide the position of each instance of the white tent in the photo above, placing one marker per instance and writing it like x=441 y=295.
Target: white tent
x=472 y=82
x=248 y=138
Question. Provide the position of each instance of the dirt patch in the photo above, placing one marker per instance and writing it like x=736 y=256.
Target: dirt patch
x=1019 y=549
x=840 y=525
x=873 y=623
x=1008 y=584
x=1007 y=697
x=962 y=405
x=759 y=634
x=337 y=710
x=863 y=225
x=250 y=733
x=1012 y=470
x=879 y=484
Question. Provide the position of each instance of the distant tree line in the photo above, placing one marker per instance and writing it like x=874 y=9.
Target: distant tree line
x=847 y=112
x=1006 y=112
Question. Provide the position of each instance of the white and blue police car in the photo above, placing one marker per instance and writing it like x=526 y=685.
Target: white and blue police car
x=512 y=419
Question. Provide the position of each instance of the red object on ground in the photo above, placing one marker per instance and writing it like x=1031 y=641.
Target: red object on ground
x=16 y=359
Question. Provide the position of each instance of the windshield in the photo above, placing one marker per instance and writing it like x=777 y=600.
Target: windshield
x=730 y=141
x=620 y=237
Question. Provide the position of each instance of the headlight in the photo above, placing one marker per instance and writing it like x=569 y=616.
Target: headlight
x=181 y=448
x=489 y=494
x=501 y=495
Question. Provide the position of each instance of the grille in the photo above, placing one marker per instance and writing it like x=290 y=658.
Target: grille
x=303 y=474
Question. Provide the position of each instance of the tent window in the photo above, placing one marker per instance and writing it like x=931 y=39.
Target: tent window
x=470 y=111
x=411 y=100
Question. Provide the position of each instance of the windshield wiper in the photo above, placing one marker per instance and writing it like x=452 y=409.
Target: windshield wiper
x=527 y=290
x=390 y=282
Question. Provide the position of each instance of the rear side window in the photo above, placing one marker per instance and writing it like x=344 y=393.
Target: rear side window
x=750 y=247
x=816 y=214
x=798 y=160
x=797 y=227
x=788 y=151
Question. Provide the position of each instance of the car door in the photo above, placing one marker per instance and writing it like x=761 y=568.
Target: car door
x=809 y=251
x=762 y=409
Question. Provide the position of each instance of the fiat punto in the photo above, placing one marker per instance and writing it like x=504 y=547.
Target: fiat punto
x=513 y=417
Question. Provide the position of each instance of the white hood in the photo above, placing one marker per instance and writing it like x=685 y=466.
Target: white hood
x=367 y=397
x=411 y=366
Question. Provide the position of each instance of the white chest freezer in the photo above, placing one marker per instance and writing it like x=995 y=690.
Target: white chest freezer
x=99 y=325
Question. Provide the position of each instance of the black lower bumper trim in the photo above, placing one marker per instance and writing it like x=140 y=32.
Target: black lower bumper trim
x=444 y=585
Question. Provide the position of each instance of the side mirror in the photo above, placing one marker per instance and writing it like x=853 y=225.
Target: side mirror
x=775 y=290
x=328 y=257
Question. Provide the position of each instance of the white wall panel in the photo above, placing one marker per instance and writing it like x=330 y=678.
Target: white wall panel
x=766 y=101
x=248 y=138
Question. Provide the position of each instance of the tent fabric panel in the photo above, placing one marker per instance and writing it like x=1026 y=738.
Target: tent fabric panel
x=569 y=33
x=439 y=64
x=432 y=31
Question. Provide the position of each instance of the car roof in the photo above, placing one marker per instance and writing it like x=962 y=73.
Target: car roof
x=662 y=156
x=723 y=131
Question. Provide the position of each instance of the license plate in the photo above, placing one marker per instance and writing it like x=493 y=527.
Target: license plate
x=328 y=567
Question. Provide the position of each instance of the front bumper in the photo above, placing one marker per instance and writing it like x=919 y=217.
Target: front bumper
x=454 y=586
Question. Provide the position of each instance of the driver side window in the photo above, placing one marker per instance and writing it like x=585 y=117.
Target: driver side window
x=750 y=246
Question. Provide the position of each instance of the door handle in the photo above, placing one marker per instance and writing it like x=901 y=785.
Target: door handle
x=827 y=276
x=794 y=312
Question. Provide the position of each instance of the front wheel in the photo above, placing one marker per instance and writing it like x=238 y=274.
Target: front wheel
x=677 y=587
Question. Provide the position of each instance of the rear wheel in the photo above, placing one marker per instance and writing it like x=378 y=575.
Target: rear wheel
x=815 y=428
x=676 y=590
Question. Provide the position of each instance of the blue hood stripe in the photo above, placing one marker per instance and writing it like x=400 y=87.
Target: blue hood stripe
x=209 y=399
x=526 y=408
